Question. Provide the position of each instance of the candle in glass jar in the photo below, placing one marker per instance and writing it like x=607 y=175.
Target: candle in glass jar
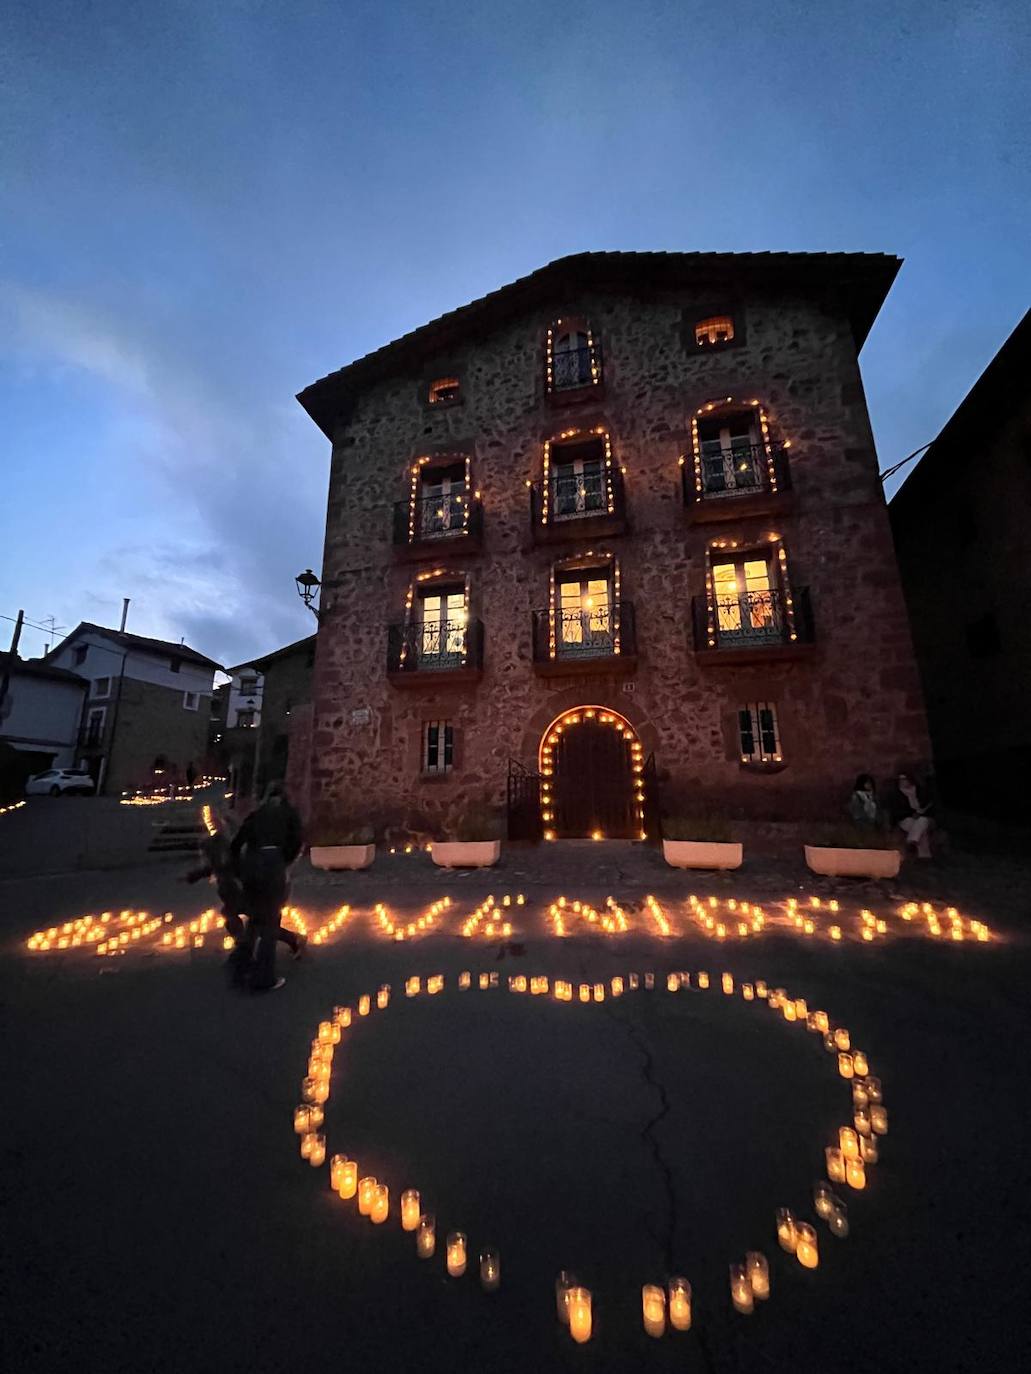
x=342 y=1016
x=348 y=1184
x=456 y=1256
x=599 y=992
x=366 y=1192
x=317 y=1154
x=308 y=1087
x=873 y=1088
x=868 y=1149
x=758 y=1274
x=861 y=1118
x=649 y=984
x=336 y=1171
x=740 y=1289
x=801 y=1009
x=788 y=1009
x=490 y=1271
x=848 y=1142
x=807 y=1250
x=364 y=1004
x=835 y=1164
x=879 y=1118
x=703 y=980
x=380 y=1209
x=426 y=1236
x=617 y=987
x=680 y=1304
x=761 y=990
x=325 y=1032
x=822 y=1021
x=855 y=1173
x=316 y=1116
x=860 y=1096
x=484 y=981
x=633 y=981
x=579 y=1308
x=837 y=1222
x=653 y=1306
x=307 y=1143
x=845 y=1067
x=383 y=997
x=302 y=1119
x=563 y=1285
x=464 y=980
x=727 y=983
x=747 y=992
x=786 y=1230
x=410 y=1209
x=585 y=992
x=823 y=1199
x=322 y=1091
x=842 y=1039
x=860 y=1063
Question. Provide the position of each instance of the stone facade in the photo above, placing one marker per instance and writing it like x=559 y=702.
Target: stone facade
x=147 y=722
x=852 y=703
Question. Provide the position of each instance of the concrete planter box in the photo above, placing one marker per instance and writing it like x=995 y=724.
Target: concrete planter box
x=853 y=863
x=466 y=853
x=702 y=854
x=334 y=856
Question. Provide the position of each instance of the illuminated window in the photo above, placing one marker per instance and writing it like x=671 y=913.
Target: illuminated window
x=748 y=605
x=585 y=620
x=438 y=746
x=574 y=359
x=441 y=626
x=444 y=390
x=759 y=734
x=577 y=476
x=731 y=455
x=442 y=506
x=718 y=329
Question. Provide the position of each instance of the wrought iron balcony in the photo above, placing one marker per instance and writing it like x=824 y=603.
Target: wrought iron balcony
x=736 y=481
x=764 y=625
x=588 y=504
x=437 y=525
x=575 y=368
x=435 y=651
x=602 y=639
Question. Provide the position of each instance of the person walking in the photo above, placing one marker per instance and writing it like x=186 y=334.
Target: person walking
x=220 y=865
x=263 y=848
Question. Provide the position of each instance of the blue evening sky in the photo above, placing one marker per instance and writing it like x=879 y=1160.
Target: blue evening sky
x=206 y=204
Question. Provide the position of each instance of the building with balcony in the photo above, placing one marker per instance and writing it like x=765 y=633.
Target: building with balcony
x=960 y=522
x=611 y=538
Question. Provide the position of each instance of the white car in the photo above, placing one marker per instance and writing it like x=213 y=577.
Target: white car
x=57 y=782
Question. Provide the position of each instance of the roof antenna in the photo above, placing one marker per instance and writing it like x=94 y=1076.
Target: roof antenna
x=125 y=614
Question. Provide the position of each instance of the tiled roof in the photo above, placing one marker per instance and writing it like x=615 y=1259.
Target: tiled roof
x=145 y=645
x=864 y=277
x=308 y=642
x=38 y=667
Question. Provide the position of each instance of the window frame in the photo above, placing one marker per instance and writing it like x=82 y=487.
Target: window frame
x=95 y=693
x=760 y=755
x=702 y=311
x=446 y=380
x=186 y=701
x=94 y=713
x=444 y=763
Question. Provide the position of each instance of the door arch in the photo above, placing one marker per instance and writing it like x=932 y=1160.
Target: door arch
x=592 y=776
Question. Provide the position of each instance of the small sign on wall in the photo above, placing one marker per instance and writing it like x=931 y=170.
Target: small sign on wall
x=629 y=688
x=362 y=716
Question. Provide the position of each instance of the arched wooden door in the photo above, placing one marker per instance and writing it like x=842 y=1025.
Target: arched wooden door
x=593 y=783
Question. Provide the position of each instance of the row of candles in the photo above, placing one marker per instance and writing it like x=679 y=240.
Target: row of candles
x=107 y=929
x=14 y=806
x=398 y=930
x=749 y=1280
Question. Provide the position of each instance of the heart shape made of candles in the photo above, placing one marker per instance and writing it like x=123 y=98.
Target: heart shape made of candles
x=847 y=1159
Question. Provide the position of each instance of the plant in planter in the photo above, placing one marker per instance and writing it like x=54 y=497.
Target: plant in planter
x=853 y=851
x=339 y=842
x=474 y=839
x=700 y=841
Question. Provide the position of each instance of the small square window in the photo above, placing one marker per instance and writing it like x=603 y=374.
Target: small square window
x=174 y=665
x=246 y=720
x=444 y=391
x=81 y=650
x=101 y=687
x=191 y=700
x=438 y=746
x=759 y=733
x=710 y=333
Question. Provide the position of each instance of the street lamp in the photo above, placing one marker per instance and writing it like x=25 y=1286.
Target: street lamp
x=308 y=589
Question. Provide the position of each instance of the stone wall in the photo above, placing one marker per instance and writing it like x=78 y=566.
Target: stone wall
x=149 y=721
x=855 y=705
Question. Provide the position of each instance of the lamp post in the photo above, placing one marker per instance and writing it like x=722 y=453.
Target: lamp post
x=308 y=589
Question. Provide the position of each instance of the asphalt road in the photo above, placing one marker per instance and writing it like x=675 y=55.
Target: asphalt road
x=157 y=1215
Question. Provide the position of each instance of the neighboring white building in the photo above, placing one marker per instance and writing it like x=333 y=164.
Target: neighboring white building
x=40 y=712
x=246 y=686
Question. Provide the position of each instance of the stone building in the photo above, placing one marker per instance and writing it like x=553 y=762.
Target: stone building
x=256 y=739
x=961 y=533
x=608 y=539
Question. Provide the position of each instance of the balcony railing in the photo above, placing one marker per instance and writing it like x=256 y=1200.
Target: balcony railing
x=603 y=638
x=568 y=505
x=753 y=621
x=437 y=522
x=735 y=475
x=435 y=648
x=573 y=368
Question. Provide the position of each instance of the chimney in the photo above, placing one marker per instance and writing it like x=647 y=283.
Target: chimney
x=125 y=613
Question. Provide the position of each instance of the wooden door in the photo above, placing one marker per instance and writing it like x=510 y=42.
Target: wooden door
x=593 y=783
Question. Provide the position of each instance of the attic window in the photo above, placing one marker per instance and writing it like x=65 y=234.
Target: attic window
x=444 y=391
x=718 y=329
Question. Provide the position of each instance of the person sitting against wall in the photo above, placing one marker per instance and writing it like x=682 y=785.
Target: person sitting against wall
x=862 y=805
x=911 y=809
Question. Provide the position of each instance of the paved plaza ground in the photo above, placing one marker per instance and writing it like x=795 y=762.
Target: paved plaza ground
x=157 y=1215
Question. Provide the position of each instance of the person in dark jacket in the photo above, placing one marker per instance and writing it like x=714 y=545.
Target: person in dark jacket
x=218 y=864
x=910 y=808
x=264 y=847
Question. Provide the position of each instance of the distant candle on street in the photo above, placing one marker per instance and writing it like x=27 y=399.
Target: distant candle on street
x=302 y=1119
x=761 y=991
x=617 y=987
x=788 y=1009
x=855 y=1174
x=456 y=1256
x=364 y=1004
x=410 y=1209
x=426 y=1236
x=823 y=1199
x=336 y=1171
x=464 y=980
x=848 y=1142
x=873 y=1088
x=740 y=1289
x=747 y=992
x=307 y=1144
x=879 y=1118
x=807 y=1250
x=860 y=1064
x=585 y=992
x=758 y=1274
x=837 y=1222
x=380 y=1209
x=579 y=1308
x=861 y=1118
x=366 y=1193
x=484 y=980
x=382 y=997
x=703 y=980
x=727 y=983
x=835 y=1164
x=680 y=1304
x=317 y=1155
x=653 y=1305
x=868 y=1149
x=786 y=1230
x=842 y=1039
x=672 y=985
x=342 y=1016
x=845 y=1067
x=490 y=1271
x=348 y=1184
x=822 y=1021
